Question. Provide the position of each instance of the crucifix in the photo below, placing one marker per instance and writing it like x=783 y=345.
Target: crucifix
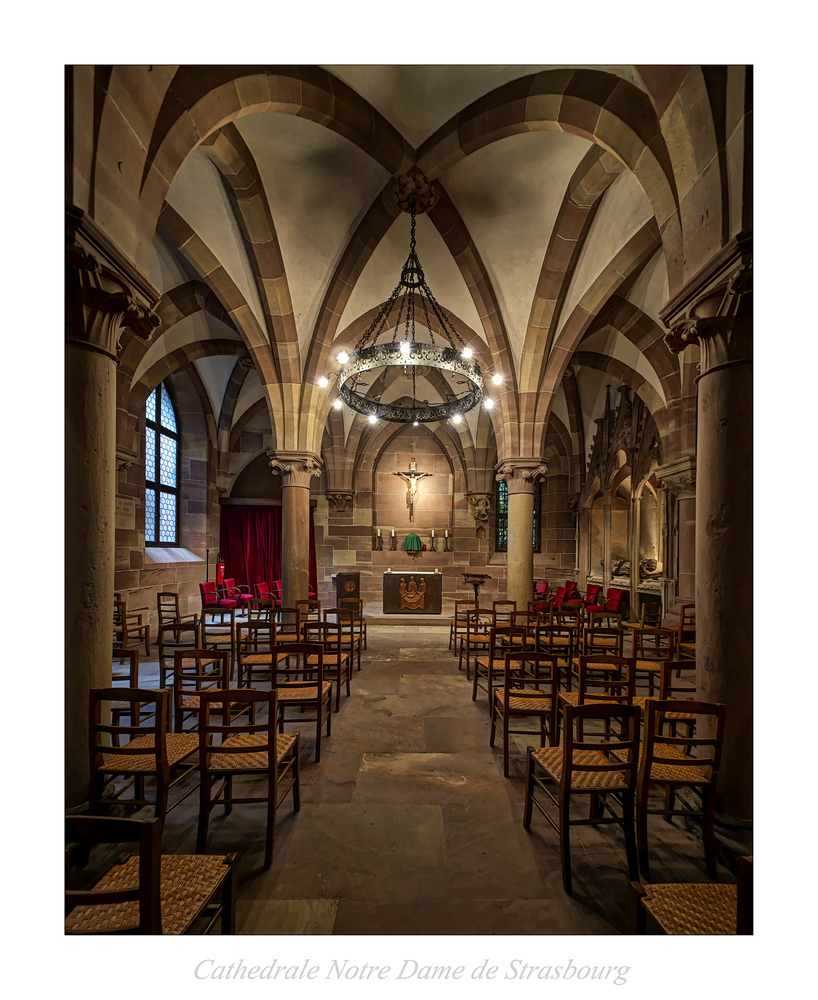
x=412 y=478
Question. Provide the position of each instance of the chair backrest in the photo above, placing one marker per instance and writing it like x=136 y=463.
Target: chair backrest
x=602 y=641
x=559 y=594
x=620 y=749
x=262 y=590
x=504 y=606
x=592 y=592
x=309 y=608
x=596 y=618
x=570 y=588
x=479 y=623
x=167 y=607
x=526 y=619
x=606 y=678
x=532 y=675
x=296 y=671
x=654 y=643
x=85 y=831
x=208 y=593
x=139 y=701
x=326 y=633
x=700 y=743
x=687 y=623
x=194 y=671
x=568 y=614
x=277 y=587
x=288 y=625
x=542 y=588
x=131 y=674
x=255 y=636
x=461 y=607
x=219 y=704
x=556 y=640
x=651 y=616
x=678 y=679
x=345 y=618
x=354 y=604
x=614 y=599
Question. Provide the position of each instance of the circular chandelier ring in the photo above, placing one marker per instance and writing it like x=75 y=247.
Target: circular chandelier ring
x=419 y=355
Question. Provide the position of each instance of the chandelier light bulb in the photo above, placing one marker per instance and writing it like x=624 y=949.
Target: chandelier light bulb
x=457 y=418
x=415 y=424
x=337 y=404
x=323 y=381
x=405 y=348
x=497 y=379
x=372 y=418
x=467 y=352
x=342 y=357
x=488 y=403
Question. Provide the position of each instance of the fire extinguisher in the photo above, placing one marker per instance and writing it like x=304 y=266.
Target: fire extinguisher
x=220 y=570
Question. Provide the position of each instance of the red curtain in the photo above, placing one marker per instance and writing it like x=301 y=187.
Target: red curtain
x=251 y=545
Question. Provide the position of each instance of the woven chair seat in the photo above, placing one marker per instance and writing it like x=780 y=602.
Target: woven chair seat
x=186 y=883
x=572 y=698
x=330 y=660
x=218 y=639
x=650 y=666
x=550 y=758
x=602 y=667
x=251 y=761
x=690 y=646
x=126 y=705
x=693 y=909
x=683 y=774
x=302 y=693
x=642 y=699
x=179 y=746
x=194 y=700
x=519 y=701
x=198 y=663
x=260 y=659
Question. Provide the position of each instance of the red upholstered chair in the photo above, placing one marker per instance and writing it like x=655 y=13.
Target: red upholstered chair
x=592 y=595
x=614 y=600
x=241 y=594
x=541 y=590
x=211 y=601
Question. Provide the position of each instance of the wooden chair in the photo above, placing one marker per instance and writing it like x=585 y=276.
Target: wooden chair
x=194 y=671
x=148 y=892
x=651 y=648
x=677 y=681
x=674 y=762
x=167 y=610
x=457 y=624
x=171 y=637
x=131 y=680
x=288 y=625
x=559 y=641
x=350 y=639
x=263 y=603
x=650 y=617
x=356 y=606
x=603 y=678
x=212 y=602
x=696 y=908
x=491 y=666
x=335 y=658
x=541 y=591
x=503 y=611
x=299 y=684
x=221 y=637
x=686 y=632
x=129 y=628
x=600 y=768
x=257 y=656
x=309 y=609
x=152 y=752
x=603 y=619
x=530 y=685
x=244 y=751
x=597 y=642
x=479 y=623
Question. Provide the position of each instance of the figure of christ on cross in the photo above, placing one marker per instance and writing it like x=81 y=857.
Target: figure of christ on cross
x=412 y=478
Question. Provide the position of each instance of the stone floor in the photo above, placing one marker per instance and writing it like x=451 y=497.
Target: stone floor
x=407 y=825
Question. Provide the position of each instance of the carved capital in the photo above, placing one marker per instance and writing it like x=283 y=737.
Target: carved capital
x=296 y=468
x=340 y=499
x=520 y=474
x=714 y=310
x=479 y=506
x=679 y=477
x=104 y=292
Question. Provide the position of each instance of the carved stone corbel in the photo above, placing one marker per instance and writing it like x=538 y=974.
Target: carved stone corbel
x=340 y=499
x=479 y=506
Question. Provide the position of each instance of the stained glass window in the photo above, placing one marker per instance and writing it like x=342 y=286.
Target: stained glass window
x=161 y=469
x=501 y=506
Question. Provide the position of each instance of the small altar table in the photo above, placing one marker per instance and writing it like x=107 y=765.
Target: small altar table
x=412 y=593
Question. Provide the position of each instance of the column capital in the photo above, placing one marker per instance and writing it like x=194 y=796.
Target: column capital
x=340 y=498
x=679 y=477
x=714 y=309
x=296 y=468
x=521 y=474
x=104 y=291
x=479 y=505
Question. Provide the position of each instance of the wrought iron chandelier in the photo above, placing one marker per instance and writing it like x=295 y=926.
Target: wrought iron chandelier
x=452 y=366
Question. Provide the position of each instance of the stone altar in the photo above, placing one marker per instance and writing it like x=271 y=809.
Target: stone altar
x=409 y=593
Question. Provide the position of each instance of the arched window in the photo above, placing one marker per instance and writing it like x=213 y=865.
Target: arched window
x=501 y=506
x=162 y=456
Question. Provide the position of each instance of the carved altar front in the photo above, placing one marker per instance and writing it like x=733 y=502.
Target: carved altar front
x=412 y=593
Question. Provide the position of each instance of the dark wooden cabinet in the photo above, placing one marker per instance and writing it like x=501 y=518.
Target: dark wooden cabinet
x=346 y=585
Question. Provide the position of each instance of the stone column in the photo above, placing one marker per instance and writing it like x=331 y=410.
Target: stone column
x=679 y=478
x=715 y=312
x=104 y=293
x=634 y=532
x=520 y=475
x=607 y=504
x=296 y=468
